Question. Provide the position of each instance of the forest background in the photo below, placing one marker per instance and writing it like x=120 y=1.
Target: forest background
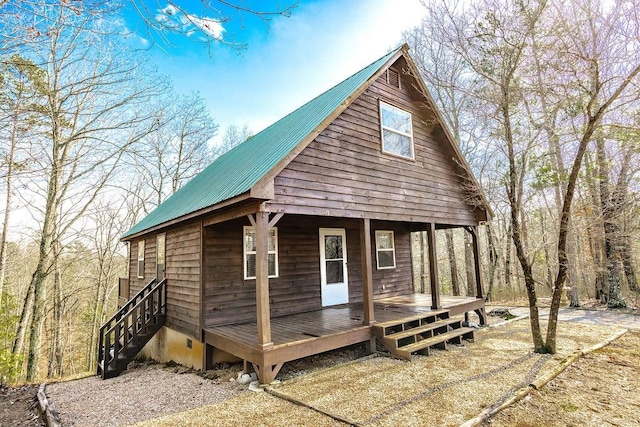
x=542 y=97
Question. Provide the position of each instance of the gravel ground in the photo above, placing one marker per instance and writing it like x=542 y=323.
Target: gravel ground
x=148 y=391
x=589 y=315
x=153 y=394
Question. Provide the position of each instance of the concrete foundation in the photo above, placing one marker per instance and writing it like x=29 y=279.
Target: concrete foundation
x=170 y=345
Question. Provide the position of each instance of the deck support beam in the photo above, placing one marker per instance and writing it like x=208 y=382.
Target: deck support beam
x=433 y=267
x=367 y=272
x=263 y=315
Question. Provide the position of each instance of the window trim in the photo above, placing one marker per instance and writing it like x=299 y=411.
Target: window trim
x=141 y=249
x=247 y=228
x=392 y=249
x=396 y=131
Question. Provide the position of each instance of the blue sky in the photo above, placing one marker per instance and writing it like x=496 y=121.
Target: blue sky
x=287 y=63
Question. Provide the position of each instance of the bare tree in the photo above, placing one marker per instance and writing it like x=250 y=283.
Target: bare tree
x=177 y=149
x=94 y=109
x=497 y=39
x=19 y=81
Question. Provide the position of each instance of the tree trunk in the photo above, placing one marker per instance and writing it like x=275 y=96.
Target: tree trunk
x=493 y=260
x=507 y=261
x=453 y=265
x=55 y=368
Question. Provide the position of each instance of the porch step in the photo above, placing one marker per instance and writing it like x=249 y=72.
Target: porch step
x=456 y=336
x=396 y=325
x=440 y=324
x=420 y=332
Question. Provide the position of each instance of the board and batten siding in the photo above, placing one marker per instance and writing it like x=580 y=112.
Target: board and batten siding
x=344 y=172
x=182 y=270
x=228 y=298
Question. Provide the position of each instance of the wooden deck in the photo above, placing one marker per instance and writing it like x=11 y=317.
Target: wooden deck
x=305 y=334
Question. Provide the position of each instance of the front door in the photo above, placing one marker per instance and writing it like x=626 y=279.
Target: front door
x=160 y=257
x=334 y=284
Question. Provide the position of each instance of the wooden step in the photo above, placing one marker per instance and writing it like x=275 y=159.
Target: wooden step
x=422 y=329
x=440 y=339
x=412 y=318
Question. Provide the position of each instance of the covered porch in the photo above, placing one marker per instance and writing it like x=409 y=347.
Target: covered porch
x=304 y=334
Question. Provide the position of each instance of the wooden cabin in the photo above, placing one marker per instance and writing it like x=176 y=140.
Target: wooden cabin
x=298 y=241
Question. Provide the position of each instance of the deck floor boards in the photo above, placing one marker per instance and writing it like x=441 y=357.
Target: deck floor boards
x=336 y=319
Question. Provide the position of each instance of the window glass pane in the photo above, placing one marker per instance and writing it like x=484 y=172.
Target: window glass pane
x=332 y=247
x=335 y=272
x=272 y=240
x=396 y=143
x=384 y=240
x=385 y=259
x=395 y=119
x=251 y=265
x=160 y=257
x=272 y=264
x=250 y=240
x=141 y=249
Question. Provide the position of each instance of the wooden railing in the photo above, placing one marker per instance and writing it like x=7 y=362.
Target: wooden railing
x=124 y=335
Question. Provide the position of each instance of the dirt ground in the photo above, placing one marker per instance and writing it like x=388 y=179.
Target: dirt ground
x=18 y=406
x=599 y=389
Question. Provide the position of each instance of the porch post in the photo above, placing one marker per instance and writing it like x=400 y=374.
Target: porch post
x=476 y=257
x=367 y=272
x=433 y=267
x=263 y=316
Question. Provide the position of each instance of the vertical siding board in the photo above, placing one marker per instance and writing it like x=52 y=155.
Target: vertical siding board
x=182 y=266
x=230 y=299
x=345 y=169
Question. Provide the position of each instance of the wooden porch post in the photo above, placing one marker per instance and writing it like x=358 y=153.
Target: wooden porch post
x=367 y=272
x=476 y=257
x=262 y=280
x=433 y=267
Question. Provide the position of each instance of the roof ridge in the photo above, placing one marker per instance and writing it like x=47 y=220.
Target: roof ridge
x=236 y=172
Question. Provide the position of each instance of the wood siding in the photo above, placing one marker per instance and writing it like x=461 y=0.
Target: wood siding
x=182 y=270
x=230 y=299
x=344 y=173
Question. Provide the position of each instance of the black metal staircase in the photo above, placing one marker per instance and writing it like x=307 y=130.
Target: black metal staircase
x=124 y=335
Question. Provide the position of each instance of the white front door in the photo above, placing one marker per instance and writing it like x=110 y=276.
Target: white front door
x=334 y=284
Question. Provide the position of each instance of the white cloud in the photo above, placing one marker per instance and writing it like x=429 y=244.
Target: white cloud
x=178 y=20
x=211 y=27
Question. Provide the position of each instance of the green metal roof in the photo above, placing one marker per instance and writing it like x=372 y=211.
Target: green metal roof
x=237 y=171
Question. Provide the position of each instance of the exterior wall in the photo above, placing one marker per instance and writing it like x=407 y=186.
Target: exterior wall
x=182 y=270
x=171 y=345
x=231 y=299
x=344 y=173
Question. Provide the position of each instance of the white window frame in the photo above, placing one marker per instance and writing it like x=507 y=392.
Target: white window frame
x=384 y=105
x=245 y=252
x=392 y=249
x=141 y=249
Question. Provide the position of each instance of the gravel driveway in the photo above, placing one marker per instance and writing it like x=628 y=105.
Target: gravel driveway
x=588 y=316
x=148 y=391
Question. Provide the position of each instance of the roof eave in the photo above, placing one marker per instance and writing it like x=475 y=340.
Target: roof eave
x=192 y=215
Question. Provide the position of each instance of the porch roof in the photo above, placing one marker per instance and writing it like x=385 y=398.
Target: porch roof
x=240 y=169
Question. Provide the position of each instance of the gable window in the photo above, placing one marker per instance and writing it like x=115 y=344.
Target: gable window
x=385 y=249
x=250 y=252
x=141 y=259
x=397 y=131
